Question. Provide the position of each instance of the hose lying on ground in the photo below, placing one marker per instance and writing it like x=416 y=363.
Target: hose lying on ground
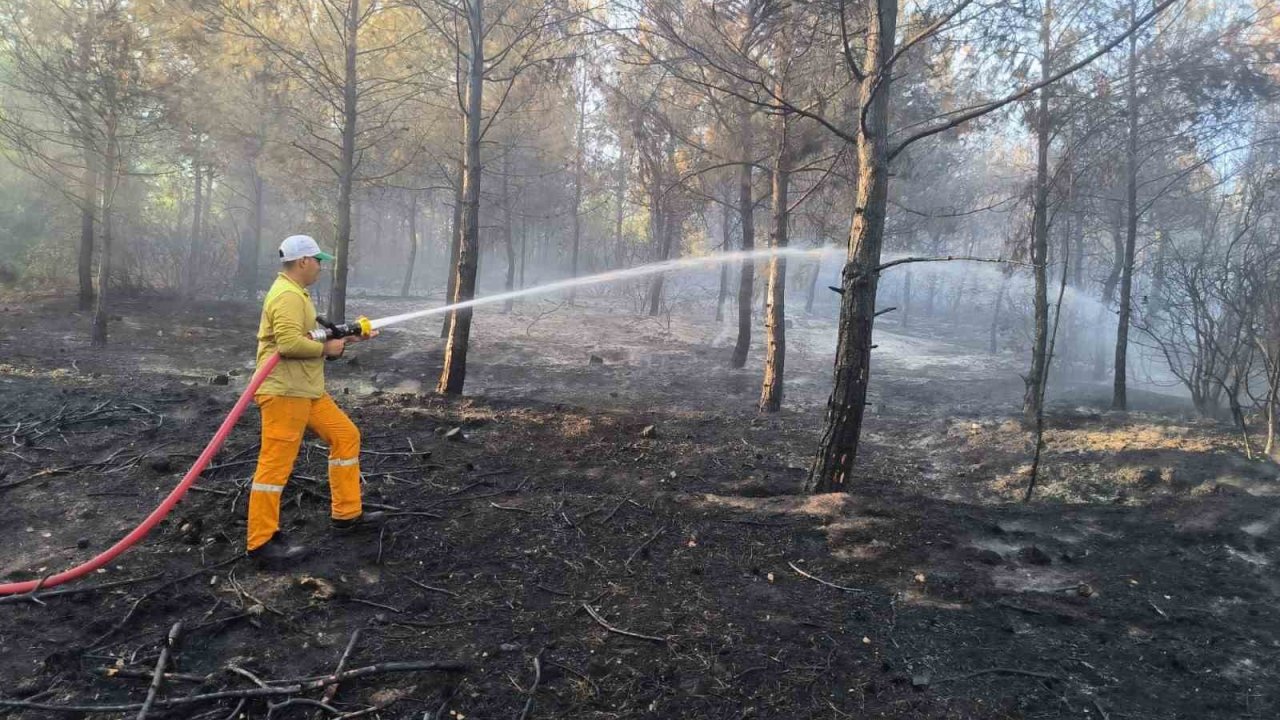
x=160 y=512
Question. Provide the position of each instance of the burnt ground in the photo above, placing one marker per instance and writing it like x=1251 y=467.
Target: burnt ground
x=1140 y=584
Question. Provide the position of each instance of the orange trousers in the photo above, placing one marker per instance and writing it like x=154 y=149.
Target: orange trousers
x=284 y=419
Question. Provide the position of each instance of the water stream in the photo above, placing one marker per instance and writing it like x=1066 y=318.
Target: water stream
x=688 y=263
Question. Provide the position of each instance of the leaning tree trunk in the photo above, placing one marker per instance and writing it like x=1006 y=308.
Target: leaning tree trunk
x=413 y=246
x=843 y=426
x=1119 y=398
x=454 y=374
x=346 y=168
x=747 y=278
x=775 y=309
x=1040 y=237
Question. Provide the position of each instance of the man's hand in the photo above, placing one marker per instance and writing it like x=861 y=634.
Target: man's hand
x=335 y=348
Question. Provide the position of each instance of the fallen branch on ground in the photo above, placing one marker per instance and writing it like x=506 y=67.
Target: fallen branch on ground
x=815 y=578
x=999 y=671
x=157 y=678
x=627 y=565
x=596 y=616
x=28 y=597
x=332 y=690
x=287 y=687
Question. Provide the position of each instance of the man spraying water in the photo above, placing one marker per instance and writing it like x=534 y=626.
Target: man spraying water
x=293 y=399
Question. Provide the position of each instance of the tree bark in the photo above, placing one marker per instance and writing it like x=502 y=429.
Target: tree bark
x=413 y=245
x=111 y=180
x=1109 y=286
x=454 y=374
x=746 y=221
x=620 y=200
x=346 y=176
x=993 y=345
x=524 y=242
x=577 y=189
x=1119 y=397
x=775 y=309
x=193 y=245
x=905 y=311
x=250 y=249
x=455 y=248
x=815 y=273
x=839 y=445
x=1040 y=236
x=725 y=240
x=508 y=239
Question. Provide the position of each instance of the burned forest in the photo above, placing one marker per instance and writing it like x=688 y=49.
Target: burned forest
x=706 y=359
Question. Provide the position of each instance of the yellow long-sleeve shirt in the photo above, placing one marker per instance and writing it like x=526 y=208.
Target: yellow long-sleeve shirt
x=287 y=317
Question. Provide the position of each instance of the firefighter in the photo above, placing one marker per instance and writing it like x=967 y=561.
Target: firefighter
x=292 y=400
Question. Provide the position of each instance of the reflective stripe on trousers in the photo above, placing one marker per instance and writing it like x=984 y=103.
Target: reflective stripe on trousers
x=284 y=421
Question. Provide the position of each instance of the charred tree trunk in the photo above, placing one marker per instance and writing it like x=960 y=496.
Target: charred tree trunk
x=775 y=313
x=454 y=373
x=669 y=227
x=346 y=167
x=1035 y=378
x=843 y=427
x=88 y=203
x=413 y=246
x=746 y=221
x=1119 y=398
x=111 y=181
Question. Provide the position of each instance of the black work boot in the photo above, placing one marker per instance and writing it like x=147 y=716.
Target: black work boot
x=277 y=553
x=363 y=521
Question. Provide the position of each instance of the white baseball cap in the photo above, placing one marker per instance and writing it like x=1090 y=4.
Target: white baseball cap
x=296 y=247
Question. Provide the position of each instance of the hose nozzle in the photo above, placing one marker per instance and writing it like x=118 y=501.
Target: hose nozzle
x=329 y=331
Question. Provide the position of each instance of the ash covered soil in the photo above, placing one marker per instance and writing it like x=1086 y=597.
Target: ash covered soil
x=607 y=474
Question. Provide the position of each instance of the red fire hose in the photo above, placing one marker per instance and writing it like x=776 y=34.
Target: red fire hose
x=169 y=502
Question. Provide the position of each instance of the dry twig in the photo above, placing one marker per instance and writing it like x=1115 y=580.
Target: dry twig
x=596 y=616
